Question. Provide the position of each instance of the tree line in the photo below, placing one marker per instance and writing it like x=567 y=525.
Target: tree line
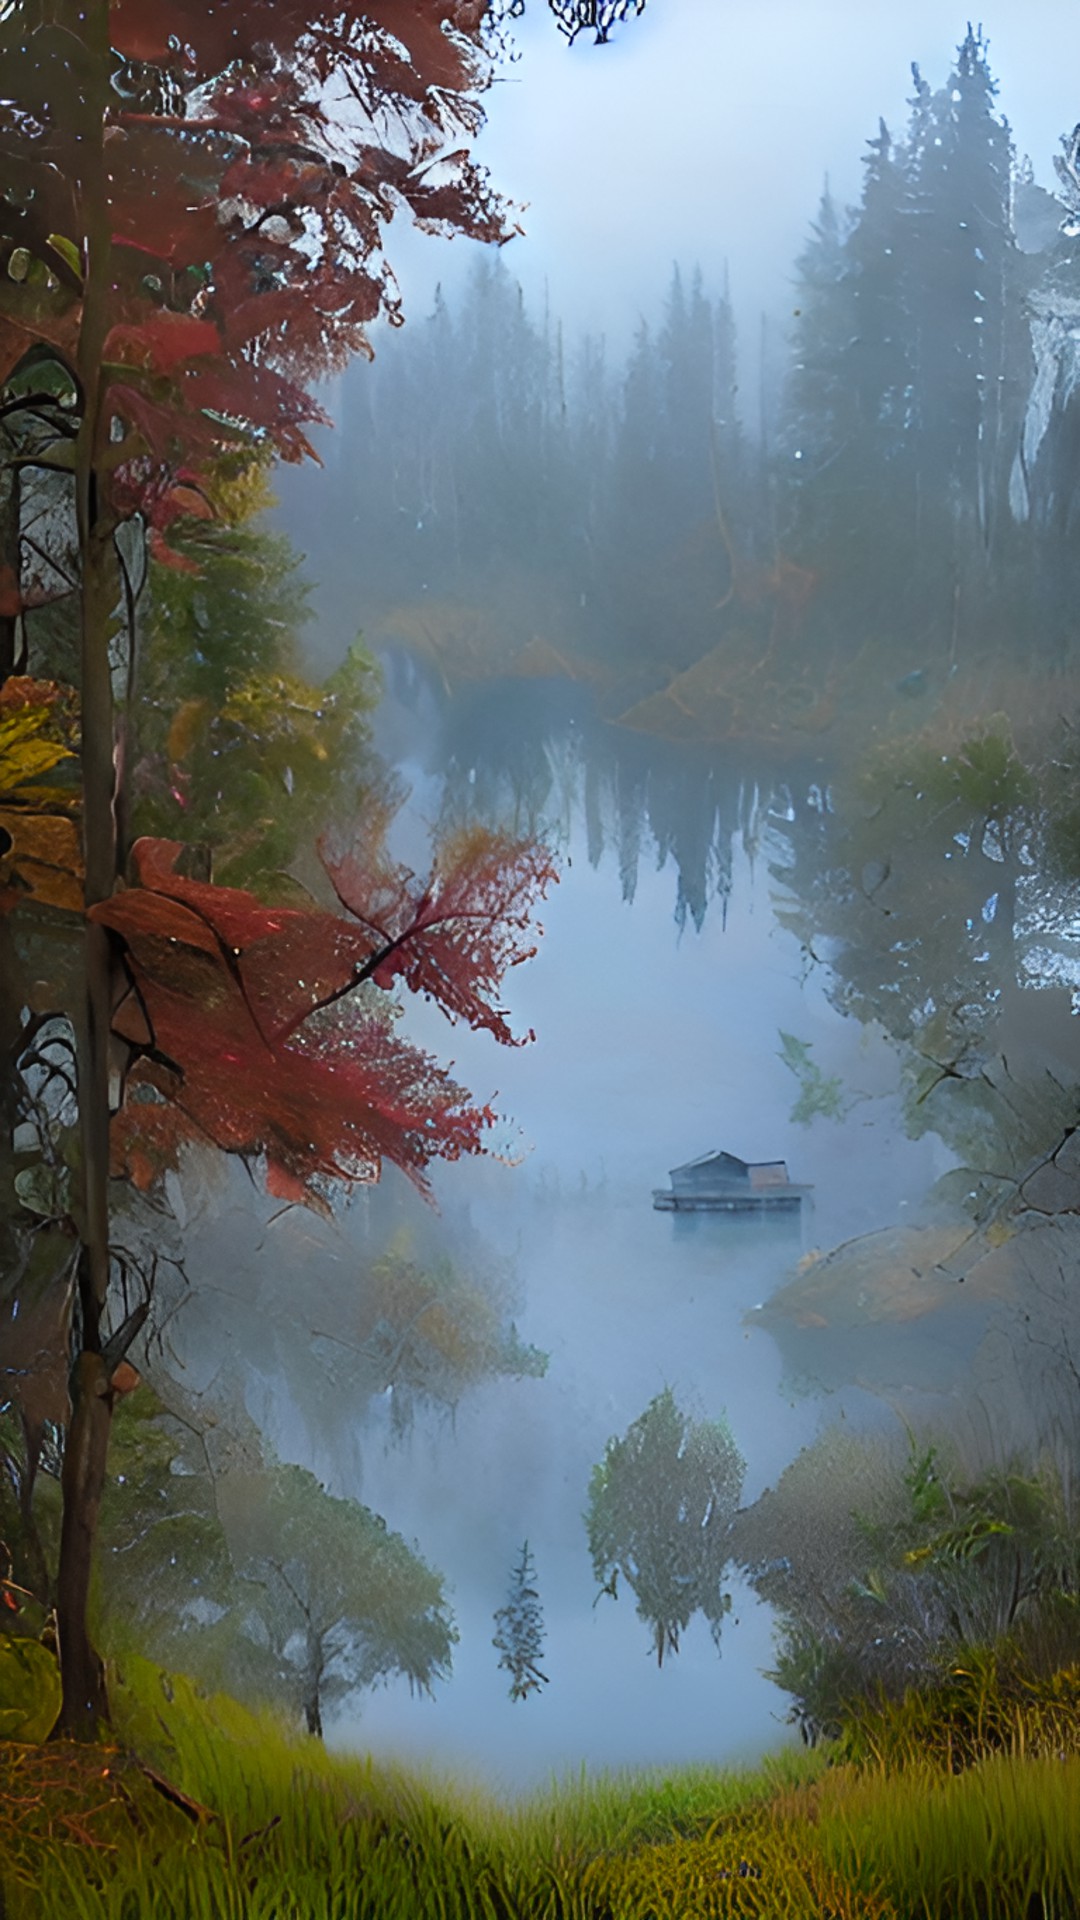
x=512 y=501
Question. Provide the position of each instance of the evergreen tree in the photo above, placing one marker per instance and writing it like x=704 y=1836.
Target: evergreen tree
x=962 y=269
x=687 y=357
x=902 y=409
x=519 y=1630
x=732 y=498
x=817 y=422
x=879 y=362
x=1043 y=491
x=864 y=487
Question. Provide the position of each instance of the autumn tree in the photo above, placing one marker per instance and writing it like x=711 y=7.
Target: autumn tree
x=191 y=218
x=425 y=1332
x=233 y=747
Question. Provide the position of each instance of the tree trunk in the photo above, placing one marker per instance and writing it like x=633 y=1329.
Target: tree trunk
x=9 y=557
x=87 y=1442
x=36 y=1574
x=85 y=1704
x=313 y=1690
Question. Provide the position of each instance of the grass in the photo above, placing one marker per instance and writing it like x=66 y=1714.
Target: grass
x=1001 y=1839
x=225 y=1815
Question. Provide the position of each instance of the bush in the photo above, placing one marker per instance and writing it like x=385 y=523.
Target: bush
x=993 y=1701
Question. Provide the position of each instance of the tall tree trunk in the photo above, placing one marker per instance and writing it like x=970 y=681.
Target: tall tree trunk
x=9 y=554
x=36 y=1561
x=85 y=1703
x=313 y=1688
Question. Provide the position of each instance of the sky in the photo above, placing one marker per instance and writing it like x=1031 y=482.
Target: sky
x=703 y=133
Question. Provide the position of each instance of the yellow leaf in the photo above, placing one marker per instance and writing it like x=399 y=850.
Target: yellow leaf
x=43 y=861
x=23 y=756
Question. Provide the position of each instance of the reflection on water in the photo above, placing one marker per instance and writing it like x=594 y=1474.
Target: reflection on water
x=740 y=1237
x=627 y=1301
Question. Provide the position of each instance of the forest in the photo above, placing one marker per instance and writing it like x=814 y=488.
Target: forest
x=821 y=620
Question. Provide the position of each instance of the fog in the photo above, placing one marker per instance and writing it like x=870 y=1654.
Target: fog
x=772 y=647
x=698 y=851
x=696 y=134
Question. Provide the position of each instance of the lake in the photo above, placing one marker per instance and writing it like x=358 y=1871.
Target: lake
x=652 y=1046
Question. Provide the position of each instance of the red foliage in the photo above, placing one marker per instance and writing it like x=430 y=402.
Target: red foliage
x=21 y=690
x=255 y=154
x=454 y=936
x=162 y=341
x=246 y=1032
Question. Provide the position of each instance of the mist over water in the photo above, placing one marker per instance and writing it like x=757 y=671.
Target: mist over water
x=779 y=657
x=651 y=1047
x=654 y=1043
x=758 y=640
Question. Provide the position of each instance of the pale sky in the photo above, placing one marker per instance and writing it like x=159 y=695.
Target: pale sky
x=704 y=130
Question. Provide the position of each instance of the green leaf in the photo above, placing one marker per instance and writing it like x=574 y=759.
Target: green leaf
x=29 y=1690
x=44 y=1190
x=872 y=1588
x=67 y=250
x=820 y=1093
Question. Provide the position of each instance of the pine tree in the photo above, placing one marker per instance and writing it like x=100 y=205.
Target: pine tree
x=817 y=422
x=869 y=484
x=902 y=410
x=728 y=447
x=880 y=356
x=962 y=267
x=687 y=356
x=519 y=1634
x=1043 y=492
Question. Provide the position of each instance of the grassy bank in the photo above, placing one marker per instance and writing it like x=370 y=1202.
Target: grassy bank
x=207 y=1812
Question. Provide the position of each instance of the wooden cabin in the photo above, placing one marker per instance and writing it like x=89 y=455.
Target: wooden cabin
x=722 y=1183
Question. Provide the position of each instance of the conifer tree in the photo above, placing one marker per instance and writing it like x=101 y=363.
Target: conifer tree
x=880 y=354
x=817 y=423
x=728 y=448
x=519 y=1630
x=962 y=268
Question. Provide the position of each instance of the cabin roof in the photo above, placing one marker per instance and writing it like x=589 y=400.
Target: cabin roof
x=721 y=1159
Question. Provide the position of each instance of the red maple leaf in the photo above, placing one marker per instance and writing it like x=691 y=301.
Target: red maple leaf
x=455 y=935
x=247 y=1031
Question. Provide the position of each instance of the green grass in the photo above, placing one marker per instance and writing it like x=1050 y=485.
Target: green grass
x=272 y=1827
x=1000 y=1841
